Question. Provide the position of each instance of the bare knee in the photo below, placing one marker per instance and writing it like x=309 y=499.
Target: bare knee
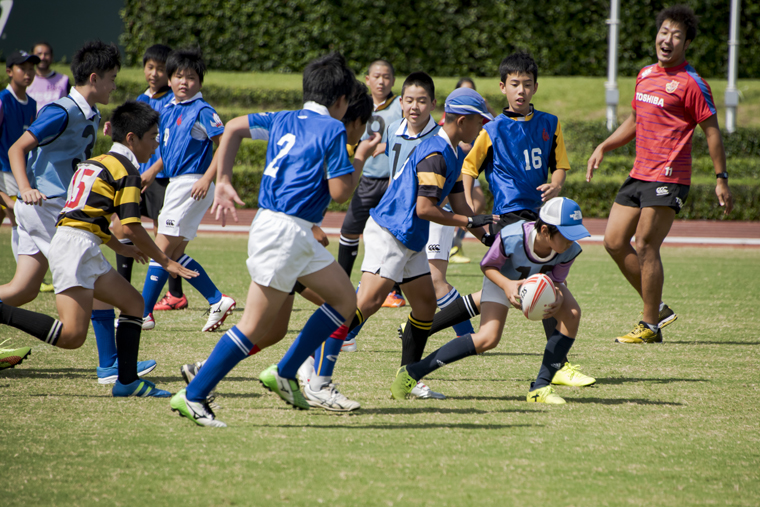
x=485 y=341
x=72 y=340
x=616 y=246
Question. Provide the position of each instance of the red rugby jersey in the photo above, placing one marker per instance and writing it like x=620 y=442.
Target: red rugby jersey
x=669 y=103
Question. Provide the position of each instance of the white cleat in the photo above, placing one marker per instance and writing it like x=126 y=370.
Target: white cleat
x=218 y=312
x=349 y=345
x=330 y=399
x=305 y=371
x=148 y=322
x=424 y=392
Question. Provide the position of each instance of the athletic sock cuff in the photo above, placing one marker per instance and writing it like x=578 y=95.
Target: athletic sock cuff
x=130 y=320
x=470 y=306
x=420 y=324
x=449 y=298
x=333 y=314
x=99 y=315
x=348 y=241
x=240 y=340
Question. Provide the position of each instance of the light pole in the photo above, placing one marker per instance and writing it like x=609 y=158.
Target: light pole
x=732 y=93
x=612 y=94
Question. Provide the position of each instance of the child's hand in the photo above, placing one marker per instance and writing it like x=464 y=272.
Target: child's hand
x=548 y=191
x=33 y=196
x=200 y=189
x=107 y=129
x=320 y=235
x=225 y=199
x=176 y=269
x=512 y=291
x=379 y=149
x=132 y=251
x=553 y=308
x=593 y=162
x=145 y=181
x=6 y=200
x=367 y=147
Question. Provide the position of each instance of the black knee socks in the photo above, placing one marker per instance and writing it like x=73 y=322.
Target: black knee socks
x=347 y=251
x=453 y=351
x=175 y=286
x=460 y=310
x=550 y=325
x=41 y=326
x=554 y=358
x=127 y=346
x=124 y=264
x=414 y=340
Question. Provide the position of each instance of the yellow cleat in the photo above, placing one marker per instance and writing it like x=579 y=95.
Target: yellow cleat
x=666 y=316
x=545 y=395
x=641 y=334
x=456 y=256
x=570 y=375
x=46 y=287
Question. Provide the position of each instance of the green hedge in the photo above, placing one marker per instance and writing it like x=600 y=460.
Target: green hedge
x=443 y=37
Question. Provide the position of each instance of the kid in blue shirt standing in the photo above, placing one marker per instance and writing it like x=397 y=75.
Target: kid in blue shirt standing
x=189 y=129
x=17 y=112
x=307 y=165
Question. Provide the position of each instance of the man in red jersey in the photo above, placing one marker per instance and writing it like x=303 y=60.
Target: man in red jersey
x=670 y=101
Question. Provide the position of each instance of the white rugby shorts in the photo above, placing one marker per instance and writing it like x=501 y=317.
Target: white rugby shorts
x=386 y=256
x=439 y=241
x=36 y=225
x=281 y=249
x=76 y=259
x=8 y=184
x=181 y=214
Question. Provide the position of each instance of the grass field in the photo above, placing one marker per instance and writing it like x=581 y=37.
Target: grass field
x=671 y=424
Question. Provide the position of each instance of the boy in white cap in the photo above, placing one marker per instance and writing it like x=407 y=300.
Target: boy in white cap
x=521 y=250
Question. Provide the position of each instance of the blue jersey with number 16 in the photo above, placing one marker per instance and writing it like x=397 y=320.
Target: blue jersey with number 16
x=306 y=148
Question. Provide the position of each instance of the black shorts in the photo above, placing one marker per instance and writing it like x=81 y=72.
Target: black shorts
x=647 y=194
x=367 y=196
x=153 y=198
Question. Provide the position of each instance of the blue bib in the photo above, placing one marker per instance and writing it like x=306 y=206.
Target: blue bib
x=521 y=151
x=397 y=210
x=16 y=119
x=51 y=166
x=157 y=102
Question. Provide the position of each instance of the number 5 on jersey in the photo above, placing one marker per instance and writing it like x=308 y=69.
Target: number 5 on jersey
x=286 y=142
x=81 y=185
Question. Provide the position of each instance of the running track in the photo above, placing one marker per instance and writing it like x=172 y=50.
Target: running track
x=683 y=232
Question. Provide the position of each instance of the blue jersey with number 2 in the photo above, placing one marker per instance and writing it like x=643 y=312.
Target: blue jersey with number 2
x=306 y=148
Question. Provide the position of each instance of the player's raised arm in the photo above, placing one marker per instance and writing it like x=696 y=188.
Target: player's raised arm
x=718 y=156
x=624 y=134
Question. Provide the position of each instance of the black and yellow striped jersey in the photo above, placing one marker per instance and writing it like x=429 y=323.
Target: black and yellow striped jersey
x=102 y=186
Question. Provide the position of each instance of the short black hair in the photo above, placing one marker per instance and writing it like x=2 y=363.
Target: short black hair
x=552 y=228
x=42 y=43
x=683 y=15
x=421 y=79
x=186 y=58
x=132 y=116
x=465 y=80
x=385 y=63
x=359 y=105
x=518 y=63
x=326 y=79
x=157 y=52
x=94 y=57
x=451 y=117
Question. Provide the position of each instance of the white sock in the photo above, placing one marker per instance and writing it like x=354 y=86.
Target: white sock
x=662 y=305
x=316 y=383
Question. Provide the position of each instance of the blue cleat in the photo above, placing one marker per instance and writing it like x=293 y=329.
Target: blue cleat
x=109 y=375
x=140 y=388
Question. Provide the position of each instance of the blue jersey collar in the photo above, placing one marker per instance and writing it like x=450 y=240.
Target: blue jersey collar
x=403 y=129
x=316 y=108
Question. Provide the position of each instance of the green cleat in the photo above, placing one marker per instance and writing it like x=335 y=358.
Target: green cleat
x=570 y=375
x=545 y=394
x=9 y=358
x=200 y=413
x=402 y=385
x=285 y=388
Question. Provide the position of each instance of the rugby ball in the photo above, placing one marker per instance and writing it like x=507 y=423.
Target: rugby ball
x=535 y=294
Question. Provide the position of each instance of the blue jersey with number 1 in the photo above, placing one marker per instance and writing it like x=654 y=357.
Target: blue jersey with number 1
x=306 y=148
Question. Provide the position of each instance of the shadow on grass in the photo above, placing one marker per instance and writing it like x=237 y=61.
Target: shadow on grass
x=511 y=354
x=705 y=342
x=73 y=373
x=618 y=381
x=622 y=401
x=415 y=426
x=241 y=395
x=437 y=409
